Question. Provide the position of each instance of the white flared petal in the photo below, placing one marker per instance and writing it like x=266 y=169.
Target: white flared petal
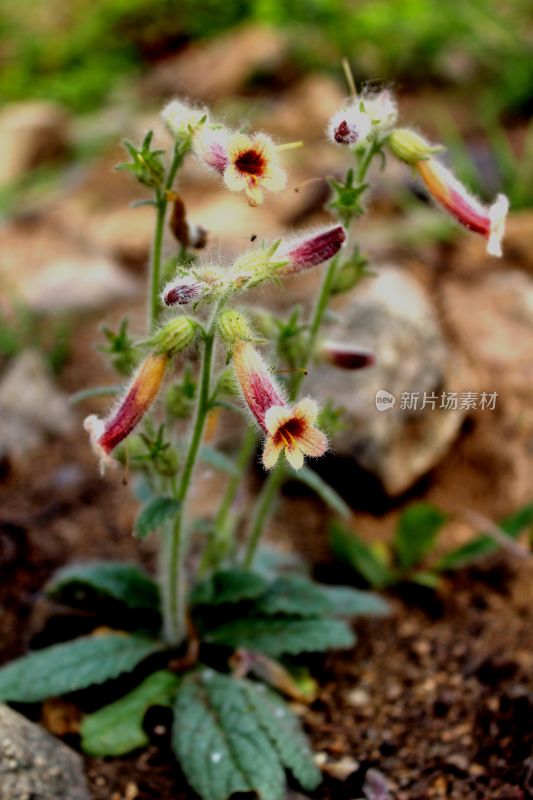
x=313 y=442
x=234 y=180
x=95 y=427
x=254 y=193
x=307 y=408
x=275 y=417
x=271 y=453
x=295 y=457
x=497 y=215
x=275 y=178
x=237 y=144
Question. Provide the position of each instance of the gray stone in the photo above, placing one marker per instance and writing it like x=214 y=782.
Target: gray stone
x=32 y=408
x=31 y=133
x=392 y=316
x=34 y=765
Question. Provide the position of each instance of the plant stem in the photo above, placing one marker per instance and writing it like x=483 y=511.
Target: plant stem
x=265 y=502
x=266 y=499
x=223 y=534
x=154 y=305
x=175 y=585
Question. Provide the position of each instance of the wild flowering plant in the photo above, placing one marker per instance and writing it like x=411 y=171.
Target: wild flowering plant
x=215 y=637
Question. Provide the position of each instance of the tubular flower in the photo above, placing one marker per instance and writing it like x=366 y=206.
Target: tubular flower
x=183 y=120
x=350 y=125
x=184 y=289
x=381 y=109
x=288 y=428
x=210 y=147
x=313 y=250
x=468 y=210
x=292 y=429
x=107 y=433
x=253 y=166
x=346 y=356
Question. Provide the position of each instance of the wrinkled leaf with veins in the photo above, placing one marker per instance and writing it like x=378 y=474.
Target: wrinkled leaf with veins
x=231 y=735
x=117 y=729
x=71 y=666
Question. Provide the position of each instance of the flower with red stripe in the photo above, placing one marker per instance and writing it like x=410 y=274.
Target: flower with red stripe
x=289 y=428
x=107 y=433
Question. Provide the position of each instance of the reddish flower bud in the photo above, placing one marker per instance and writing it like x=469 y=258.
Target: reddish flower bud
x=140 y=395
x=346 y=357
x=183 y=290
x=314 y=250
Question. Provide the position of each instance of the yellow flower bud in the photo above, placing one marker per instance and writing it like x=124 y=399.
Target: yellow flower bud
x=234 y=327
x=174 y=336
x=410 y=146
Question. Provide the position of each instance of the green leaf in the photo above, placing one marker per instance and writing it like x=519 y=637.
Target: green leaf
x=152 y=515
x=125 y=583
x=117 y=728
x=348 y=547
x=484 y=545
x=284 y=730
x=348 y=602
x=426 y=578
x=71 y=666
x=295 y=596
x=214 y=458
x=230 y=737
x=326 y=492
x=416 y=533
x=287 y=636
x=228 y=586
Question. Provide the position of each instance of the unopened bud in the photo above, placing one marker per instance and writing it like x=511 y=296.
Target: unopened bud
x=234 y=327
x=175 y=336
x=187 y=234
x=183 y=120
x=183 y=290
x=313 y=250
x=346 y=356
x=410 y=147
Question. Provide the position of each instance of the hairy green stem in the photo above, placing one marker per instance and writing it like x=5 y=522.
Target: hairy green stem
x=267 y=497
x=154 y=303
x=175 y=584
x=223 y=527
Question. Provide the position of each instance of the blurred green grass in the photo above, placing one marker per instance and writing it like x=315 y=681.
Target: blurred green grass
x=75 y=51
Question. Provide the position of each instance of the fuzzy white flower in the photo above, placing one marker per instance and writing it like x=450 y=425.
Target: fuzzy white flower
x=182 y=119
x=350 y=125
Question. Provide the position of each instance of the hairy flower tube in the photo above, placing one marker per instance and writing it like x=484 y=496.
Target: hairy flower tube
x=107 y=433
x=288 y=428
x=464 y=207
x=350 y=125
x=450 y=193
x=184 y=289
x=183 y=120
x=346 y=356
x=211 y=148
x=310 y=251
x=381 y=108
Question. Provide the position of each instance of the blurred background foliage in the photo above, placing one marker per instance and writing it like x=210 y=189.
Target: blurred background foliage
x=74 y=51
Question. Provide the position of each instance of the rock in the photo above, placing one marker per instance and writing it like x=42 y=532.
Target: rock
x=34 y=765
x=219 y=67
x=50 y=271
x=499 y=336
x=391 y=315
x=31 y=133
x=31 y=406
